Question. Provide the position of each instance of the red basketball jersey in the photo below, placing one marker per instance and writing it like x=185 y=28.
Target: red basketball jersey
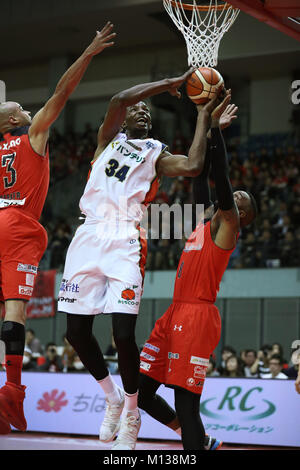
x=201 y=267
x=24 y=174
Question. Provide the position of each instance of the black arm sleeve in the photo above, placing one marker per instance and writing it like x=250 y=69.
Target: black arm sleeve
x=220 y=170
x=200 y=184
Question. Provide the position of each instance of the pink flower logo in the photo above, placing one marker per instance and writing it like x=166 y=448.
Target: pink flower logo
x=52 y=401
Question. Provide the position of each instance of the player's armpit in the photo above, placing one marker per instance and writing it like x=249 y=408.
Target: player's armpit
x=225 y=227
x=112 y=123
x=176 y=165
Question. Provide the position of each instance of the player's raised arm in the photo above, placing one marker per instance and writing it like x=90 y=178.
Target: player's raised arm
x=116 y=111
x=226 y=222
x=200 y=184
x=42 y=121
x=192 y=165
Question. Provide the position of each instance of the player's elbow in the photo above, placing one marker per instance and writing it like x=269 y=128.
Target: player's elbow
x=120 y=99
x=194 y=170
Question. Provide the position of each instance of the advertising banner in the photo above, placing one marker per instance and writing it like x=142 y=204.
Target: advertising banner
x=245 y=411
x=42 y=302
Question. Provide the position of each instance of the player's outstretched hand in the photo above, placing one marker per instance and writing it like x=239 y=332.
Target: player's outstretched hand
x=228 y=116
x=102 y=40
x=176 y=82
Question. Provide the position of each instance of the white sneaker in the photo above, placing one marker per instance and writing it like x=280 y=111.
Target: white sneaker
x=127 y=437
x=111 y=422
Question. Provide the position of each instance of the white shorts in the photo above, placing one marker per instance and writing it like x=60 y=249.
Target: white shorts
x=103 y=275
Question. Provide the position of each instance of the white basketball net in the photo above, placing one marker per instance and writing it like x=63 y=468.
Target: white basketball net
x=202 y=30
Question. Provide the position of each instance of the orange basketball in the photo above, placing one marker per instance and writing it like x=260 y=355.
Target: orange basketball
x=202 y=85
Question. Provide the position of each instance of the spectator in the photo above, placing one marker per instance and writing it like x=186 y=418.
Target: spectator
x=278 y=349
x=227 y=351
x=292 y=371
x=211 y=369
x=29 y=364
x=275 y=365
x=261 y=364
x=33 y=343
x=249 y=359
x=233 y=367
x=53 y=362
x=68 y=356
x=111 y=357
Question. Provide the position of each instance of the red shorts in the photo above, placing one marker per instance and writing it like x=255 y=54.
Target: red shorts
x=22 y=244
x=179 y=347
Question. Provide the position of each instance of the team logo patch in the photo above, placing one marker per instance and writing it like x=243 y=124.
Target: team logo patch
x=190 y=382
x=144 y=365
x=201 y=361
x=25 y=290
x=173 y=355
x=128 y=294
x=27 y=268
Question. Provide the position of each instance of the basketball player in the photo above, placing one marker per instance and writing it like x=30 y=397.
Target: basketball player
x=104 y=269
x=24 y=180
x=178 y=350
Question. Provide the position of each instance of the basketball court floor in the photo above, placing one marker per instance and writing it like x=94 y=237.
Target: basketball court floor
x=42 y=441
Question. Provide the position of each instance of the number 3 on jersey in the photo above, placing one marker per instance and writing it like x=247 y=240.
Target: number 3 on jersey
x=7 y=161
x=120 y=174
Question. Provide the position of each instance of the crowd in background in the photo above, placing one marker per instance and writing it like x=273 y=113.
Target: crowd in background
x=267 y=363
x=267 y=166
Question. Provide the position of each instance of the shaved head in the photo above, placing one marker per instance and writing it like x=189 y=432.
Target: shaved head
x=247 y=207
x=12 y=115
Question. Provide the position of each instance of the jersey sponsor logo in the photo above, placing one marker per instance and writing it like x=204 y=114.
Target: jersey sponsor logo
x=199 y=360
x=173 y=355
x=125 y=152
x=144 y=365
x=27 y=268
x=67 y=286
x=200 y=372
x=190 y=382
x=128 y=294
x=25 y=290
x=11 y=202
x=66 y=299
x=150 y=145
x=30 y=280
x=178 y=327
x=10 y=144
x=128 y=302
x=147 y=356
x=150 y=346
x=16 y=195
x=139 y=149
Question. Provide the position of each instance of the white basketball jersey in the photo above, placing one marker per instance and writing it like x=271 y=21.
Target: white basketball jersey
x=122 y=181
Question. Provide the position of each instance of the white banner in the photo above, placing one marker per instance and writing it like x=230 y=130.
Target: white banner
x=245 y=411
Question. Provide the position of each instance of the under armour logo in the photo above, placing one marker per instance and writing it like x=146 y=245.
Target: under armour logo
x=177 y=327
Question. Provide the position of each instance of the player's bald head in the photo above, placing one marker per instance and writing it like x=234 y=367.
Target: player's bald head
x=7 y=108
x=12 y=115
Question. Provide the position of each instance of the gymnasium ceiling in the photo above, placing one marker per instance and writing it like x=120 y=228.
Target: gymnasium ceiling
x=34 y=30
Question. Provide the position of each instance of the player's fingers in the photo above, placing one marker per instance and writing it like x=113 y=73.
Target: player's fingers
x=108 y=26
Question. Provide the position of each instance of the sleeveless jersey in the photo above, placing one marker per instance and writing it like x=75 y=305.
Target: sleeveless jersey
x=24 y=174
x=122 y=181
x=200 y=268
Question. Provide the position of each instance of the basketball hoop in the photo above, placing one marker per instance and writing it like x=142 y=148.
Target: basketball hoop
x=202 y=26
